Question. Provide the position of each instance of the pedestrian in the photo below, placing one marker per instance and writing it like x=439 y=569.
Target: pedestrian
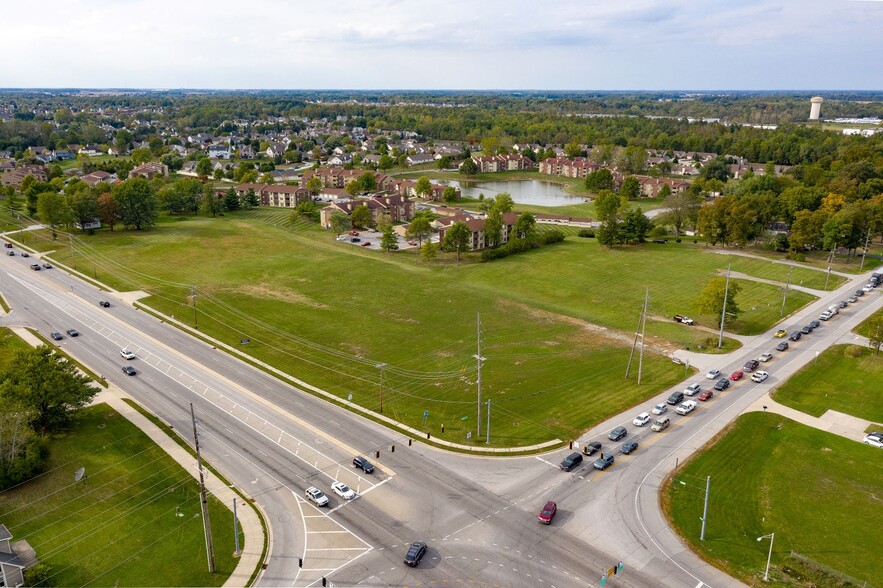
x=764 y=407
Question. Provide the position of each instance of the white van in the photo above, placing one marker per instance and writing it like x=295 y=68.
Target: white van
x=660 y=424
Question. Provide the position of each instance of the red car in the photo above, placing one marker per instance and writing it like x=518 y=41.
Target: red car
x=706 y=395
x=548 y=513
x=366 y=244
x=412 y=243
x=737 y=375
x=354 y=233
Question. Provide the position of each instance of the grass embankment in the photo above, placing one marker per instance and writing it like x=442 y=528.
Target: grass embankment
x=556 y=322
x=845 y=378
x=819 y=493
x=133 y=521
x=10 y=344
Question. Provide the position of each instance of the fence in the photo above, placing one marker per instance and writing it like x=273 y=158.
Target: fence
x=830 y=571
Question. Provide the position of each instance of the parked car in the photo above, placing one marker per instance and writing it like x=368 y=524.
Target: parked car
x=343 y=490
x=416 y=551
x=642 y=419
x=591 y=447
x=765 y=357
x=780 y=333
x=675 y=398
x=629 y=447
x=660 y=424
x=795 y=336
x=659 y=409
x=571 y=461
x=56 y=335
x=686 y=407
x=129 y=370
x=706 y=395
x=692 y=389
x=547 y=513
x=363 y=464
x=722 y=384
x=712 y=374
x=737 y=375
x=316 y=496
x=412 y=243
x=679 y=318
x=873 y=439
x=354 y=233
x=617 y=433
x=603 y=462
x=759 y=377
x=782 y=346
x=366 y=244
x=73 y=332
x=750 y=366
x=355 y=240
x=126 y=354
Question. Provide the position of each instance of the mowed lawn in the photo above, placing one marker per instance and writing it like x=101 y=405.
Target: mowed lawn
x=556 y=324
x=134 y=520
x=10 y=344
x=818 y=492
x=845 y=378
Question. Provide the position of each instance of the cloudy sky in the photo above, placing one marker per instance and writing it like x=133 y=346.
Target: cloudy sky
x=450 y=44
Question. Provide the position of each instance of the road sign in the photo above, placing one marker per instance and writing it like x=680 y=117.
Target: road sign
x=469 y=435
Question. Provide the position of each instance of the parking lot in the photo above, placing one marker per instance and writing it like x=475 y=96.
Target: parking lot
x=370 y=239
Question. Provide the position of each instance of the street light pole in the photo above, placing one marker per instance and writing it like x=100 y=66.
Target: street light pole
x=720 y=339
x=705 y=509
x=788 y=284
x=771 y=537
x=478 y=359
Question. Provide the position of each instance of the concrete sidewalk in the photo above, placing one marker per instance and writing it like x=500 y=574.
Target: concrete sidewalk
x=249 y=520
x=832 y=421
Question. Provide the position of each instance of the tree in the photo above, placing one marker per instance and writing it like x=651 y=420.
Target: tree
x=46 y=383
x=384 y=222
x=490 y=145
x=572 y=149
x=599 y=180
x=711 y=221
x=54 y=211
x=680 y=208
x=173 y=160
x=361 y=216
x=631 y=188
x=84 y=206
x=468 y=167
x=385 y=162
x=525 y=225
x=635 y=226
x=419 y=228
x=204 y=167
x=711 y=299
x=423 y=187
x=108 y=211
x=389 y=241
x=428 y=251
x=22 y=451
x=141 y=155
x=503 y=202
x=339 y=223
x=493 y=227
x=875 y=332
x=314 y=185
x=136 y=202
x=231 y=200
x=607 y=206
x=219 y=174
x=307 y=210
x=716 y=168
x=449 y=196
x=457 y=238
x=212 y=202
x=444 y=162
x=250 y=200
x=367 y=182
x=353 y=187
x=188 y=195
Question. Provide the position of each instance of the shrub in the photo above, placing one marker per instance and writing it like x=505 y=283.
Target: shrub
x=551 y=237
x=39 y=574
x=658 y=232
x=587 y=233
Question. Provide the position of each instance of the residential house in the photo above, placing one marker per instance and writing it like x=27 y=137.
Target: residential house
x=90 y=150
x=150 y=170
x=420 y=158
x=399 y=209
x=283 y=196
x=219 y=152
x=333 y=195
x=276 y=150
x=347 y=208
x=246 y=152
x=14 y=177
x=508 y=162
x=97 y=177
x=651 y=186
x=478 y=240
x=340 y=159
x=14 y=558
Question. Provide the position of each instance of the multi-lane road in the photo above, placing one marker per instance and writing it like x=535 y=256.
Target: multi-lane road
x=478 y=515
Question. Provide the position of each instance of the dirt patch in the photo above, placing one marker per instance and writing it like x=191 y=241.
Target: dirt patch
x=270 y=293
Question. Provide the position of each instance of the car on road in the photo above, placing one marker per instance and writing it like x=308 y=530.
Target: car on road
x=866 y=288
x=363 y=464
x=35 y=267
x=548 y=513
x=103 y=303
x=795 y=336
x=343 y=490
x=660 y=424
x=842 y=304
x=852 y=299
x=629 y=447
x=603 y=462
x=675 y=398
x=47 y=266
x=73 y=332
x=765 y=357
x=815 y=324
x=750 y=366
x=686 y=407
x=642 y=419
x=825 y=316
x=617 y=433
x=873 y=439
x=679 y=318
x=780 y=333
x=722 y=384
x=591 y=447
x=858 y=293
x=10 y=253
x=692 y=389
x=571 y=461
x=316 y=496
x=806 y=330
x=25 y=254
x=126 y=354
x=8 y=245
x=129 y=370
x=782 y=346
x=737 y=375
x=759 y=376
x=659 y=409
x=706 y=396
x=712 y=374
x=416 y=551
x=56 y=335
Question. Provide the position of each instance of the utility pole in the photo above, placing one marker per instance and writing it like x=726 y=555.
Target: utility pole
x=788 y=284
x=867 y=242
x=381 y=366
x=73 y=250
x=827 y=277
x=236 y=553
x=643 y=329
x=488 y=428
x=479 y=359
x=195 y=316
x=203 y=499
x=720 y=339
x=705 y=509
x=638 y=331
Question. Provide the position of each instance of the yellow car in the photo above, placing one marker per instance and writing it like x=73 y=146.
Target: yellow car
x=781 y=333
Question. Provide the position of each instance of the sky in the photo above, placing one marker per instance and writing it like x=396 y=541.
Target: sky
x=450 y=44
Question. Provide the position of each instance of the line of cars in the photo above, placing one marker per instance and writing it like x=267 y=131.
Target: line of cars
x=318 y=497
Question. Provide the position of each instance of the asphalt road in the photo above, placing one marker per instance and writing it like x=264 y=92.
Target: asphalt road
x=477 y=514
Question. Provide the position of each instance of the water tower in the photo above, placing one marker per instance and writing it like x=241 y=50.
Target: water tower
x=815 y=107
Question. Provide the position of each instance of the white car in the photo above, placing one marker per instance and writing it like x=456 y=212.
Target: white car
x=659 y=408
x=343 y=490
x=759 y=377
x=712 y=374
x=686 y=407
x=127 y=354
x=642 y=419
x=316 y=496
x=692 y=389
x=873 y=439
x=867 y=288
x=766 y=357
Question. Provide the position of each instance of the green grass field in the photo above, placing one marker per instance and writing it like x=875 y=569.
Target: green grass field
x=832 y=515
x=864 y=328
x=556 y=322
x=10 y=344
x=133 y=521
x=845 y=378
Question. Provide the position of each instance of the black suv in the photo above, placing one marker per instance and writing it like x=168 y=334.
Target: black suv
x=782 y=346
x=363 y=464
x=571 y=461
x=415 y=553
x=722 y=384
x=675 y=398
x=617 y=434
x=795 y=336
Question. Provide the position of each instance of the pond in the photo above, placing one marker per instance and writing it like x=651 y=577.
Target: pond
x=536 y=192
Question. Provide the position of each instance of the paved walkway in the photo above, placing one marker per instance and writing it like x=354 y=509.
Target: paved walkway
x=742 y=276
x=782 y=261
x=249 y=520
x=832 y=421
